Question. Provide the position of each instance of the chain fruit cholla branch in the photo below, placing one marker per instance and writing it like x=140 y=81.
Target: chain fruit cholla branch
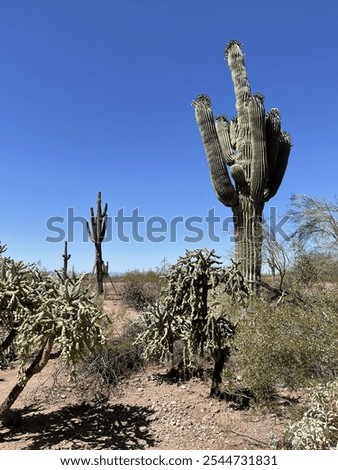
x=256 y=150
x=185 y=313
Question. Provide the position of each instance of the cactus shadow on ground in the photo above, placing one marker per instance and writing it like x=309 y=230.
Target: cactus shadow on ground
x=85 y=426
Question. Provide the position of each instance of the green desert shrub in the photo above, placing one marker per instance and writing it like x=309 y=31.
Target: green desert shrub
x=140 y=288
x=289 y=344
x=318 y=427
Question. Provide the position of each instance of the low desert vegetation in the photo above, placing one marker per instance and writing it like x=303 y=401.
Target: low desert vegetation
x=197 y=314
x=141 y=288
x=317 y=429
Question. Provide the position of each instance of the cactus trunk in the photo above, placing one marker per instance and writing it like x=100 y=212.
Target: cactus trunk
x=99 y=267
x=248 y=239
x=256 y=150
x=36 y=366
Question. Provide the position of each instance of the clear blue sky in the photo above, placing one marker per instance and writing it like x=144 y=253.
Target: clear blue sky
x=96 y=96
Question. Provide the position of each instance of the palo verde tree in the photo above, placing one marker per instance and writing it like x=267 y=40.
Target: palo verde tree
x=44 y=316
x=315 y=221
x=186 y=311
x=97 y=234
x=255 y=149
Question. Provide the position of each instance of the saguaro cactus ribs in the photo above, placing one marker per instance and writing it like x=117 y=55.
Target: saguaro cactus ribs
x=256 y=150
x=97 y=234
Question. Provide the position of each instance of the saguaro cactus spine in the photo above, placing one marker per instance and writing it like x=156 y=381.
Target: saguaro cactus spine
x=97 y=234
x=257 y=151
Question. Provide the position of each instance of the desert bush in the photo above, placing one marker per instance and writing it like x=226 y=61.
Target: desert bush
x=289 y=344
x=318 y=427
x=119 y=358
x=140 y=288
x=311 y=267
x=315 y=221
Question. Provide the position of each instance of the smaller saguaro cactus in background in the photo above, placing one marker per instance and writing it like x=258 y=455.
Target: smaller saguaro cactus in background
x=256 y=150
x=66 y=256
x=97 y=233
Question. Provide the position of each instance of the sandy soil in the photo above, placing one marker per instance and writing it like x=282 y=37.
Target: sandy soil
x=144 y=412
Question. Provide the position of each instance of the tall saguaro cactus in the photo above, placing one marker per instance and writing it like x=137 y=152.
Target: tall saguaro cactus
x=256 y=151
x=66 y=256
x=97 y=234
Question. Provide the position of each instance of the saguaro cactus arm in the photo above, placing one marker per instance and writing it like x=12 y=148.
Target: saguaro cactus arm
x=235 y=59
x=273 y=130
x=217 y=163
x=223 y=132
x=277 y=176
x=259 y=164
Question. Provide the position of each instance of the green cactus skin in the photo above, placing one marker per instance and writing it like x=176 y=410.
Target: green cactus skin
x=217 y=165
x=276 y=179
x=273 y=130
x=233 y=132
x=97 y=234
x=259 y=165
x=238 y=175
x=223 y=132
x=66 y=257
x=257 y=151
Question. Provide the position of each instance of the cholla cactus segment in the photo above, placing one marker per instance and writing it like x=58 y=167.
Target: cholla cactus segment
x=259 y=168
x=217 y=165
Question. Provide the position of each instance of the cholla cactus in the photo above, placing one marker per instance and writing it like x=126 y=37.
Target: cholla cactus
x=186 y=312
x=256 y=150
x=318 y=428
x=41 y=313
